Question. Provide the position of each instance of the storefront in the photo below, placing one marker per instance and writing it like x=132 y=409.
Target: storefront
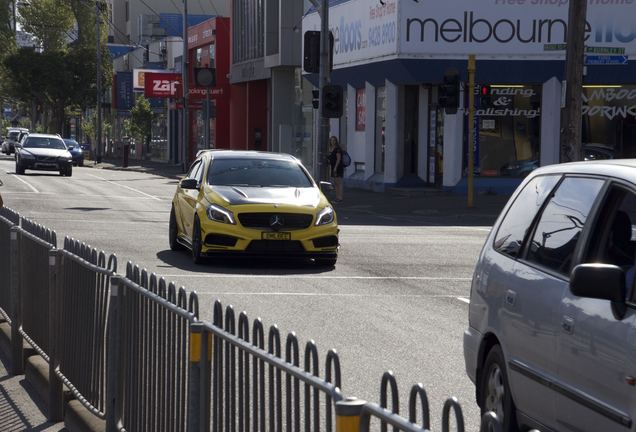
x=391 y=60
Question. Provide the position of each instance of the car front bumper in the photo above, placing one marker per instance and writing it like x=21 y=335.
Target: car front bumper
x=45 y=165
x=472 y=340
x=226 y=239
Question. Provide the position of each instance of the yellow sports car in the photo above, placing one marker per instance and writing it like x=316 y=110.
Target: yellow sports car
x=253 y=204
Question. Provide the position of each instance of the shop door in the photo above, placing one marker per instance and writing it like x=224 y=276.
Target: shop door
x=411 y=104
x=435 y=146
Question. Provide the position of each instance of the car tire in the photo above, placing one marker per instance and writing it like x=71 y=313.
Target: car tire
x=173 y=232
x=80 y=163
x=197 y=258
x=495 y=392
x=19 y=169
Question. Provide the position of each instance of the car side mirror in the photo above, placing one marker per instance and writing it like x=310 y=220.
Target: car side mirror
x=326 y=186
x=601 y=281
x=189 y=183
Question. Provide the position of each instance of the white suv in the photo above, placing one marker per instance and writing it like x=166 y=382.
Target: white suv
x=551 y=342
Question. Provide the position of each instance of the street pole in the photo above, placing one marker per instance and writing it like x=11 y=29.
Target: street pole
x=571 y=146
x=324 y=79
x=185 y=64
x=471 y=128
x=98 y=119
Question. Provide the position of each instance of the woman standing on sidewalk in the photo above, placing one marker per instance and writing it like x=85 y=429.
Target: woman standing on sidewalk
x=337 y=168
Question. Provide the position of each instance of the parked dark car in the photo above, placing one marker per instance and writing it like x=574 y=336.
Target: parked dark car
x=519 y=168
x=13 y=137
x=76 y=151
x=594 y=151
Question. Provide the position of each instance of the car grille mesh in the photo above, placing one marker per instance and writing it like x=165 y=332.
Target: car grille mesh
x=286 y=221
x=46 y=158
x=275 y=246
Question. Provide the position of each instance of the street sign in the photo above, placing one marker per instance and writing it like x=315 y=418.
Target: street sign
x=605 y=50
x=592 y=60
x=554 y=47
x=588 y=49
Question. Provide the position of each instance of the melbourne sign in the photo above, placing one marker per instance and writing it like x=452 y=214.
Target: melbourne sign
x=518 y=28
x=369 y=30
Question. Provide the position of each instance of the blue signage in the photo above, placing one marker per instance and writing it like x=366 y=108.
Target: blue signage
x=592 y=60
x=124 y=96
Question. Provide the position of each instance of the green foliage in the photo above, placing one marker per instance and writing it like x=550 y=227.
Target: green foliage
x=50 y=21
x=141 y=120
x=88 y=126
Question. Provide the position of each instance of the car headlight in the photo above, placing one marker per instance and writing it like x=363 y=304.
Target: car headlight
x=64 y=159
x=219 y=214
x=26 y=155
x=325 y=216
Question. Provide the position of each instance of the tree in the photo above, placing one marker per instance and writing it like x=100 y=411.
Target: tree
x=141 y=121
x=50 y=21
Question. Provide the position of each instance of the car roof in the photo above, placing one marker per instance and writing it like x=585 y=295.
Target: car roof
x=43 y=135
x=246 y=154
x=618 y=168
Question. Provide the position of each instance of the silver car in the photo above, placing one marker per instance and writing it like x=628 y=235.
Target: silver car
x=551 y=341
x=43 y=152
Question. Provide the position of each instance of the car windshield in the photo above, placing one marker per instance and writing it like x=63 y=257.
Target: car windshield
x=44 y=142
x=70 y=143
x=13 y=135
x=257 y=173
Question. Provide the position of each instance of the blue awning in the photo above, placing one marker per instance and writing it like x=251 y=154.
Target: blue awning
x=118 y=50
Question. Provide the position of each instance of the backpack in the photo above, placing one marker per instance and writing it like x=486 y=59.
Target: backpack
x=346 y=159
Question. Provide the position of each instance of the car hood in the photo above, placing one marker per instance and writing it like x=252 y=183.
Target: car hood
x=238 y=195
x=47 y=152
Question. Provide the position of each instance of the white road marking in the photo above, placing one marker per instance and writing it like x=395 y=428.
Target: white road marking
x=463 y=299
x=28 y=184
x=306 y=294
x=233 y=276
x=127 y=187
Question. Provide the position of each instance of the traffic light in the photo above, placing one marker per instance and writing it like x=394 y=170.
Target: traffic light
x=205 y=77
x=315 y=101
x=485 y=97
x=449 y=92
x=332 y=101
x=311 y=51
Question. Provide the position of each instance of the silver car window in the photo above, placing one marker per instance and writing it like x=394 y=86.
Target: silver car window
x=561 y=223
x=514 y=227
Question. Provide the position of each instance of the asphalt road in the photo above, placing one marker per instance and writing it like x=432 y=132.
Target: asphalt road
x=397 y=299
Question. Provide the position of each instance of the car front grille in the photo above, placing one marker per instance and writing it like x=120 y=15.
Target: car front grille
x=285 y=221
x=275 y=246
x=220 y=239
x=46 y=159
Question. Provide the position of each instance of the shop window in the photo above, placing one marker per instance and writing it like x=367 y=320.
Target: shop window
x=609 y=122
x=508 y=132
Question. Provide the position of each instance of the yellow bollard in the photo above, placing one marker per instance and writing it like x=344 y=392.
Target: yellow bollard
x=348 y=413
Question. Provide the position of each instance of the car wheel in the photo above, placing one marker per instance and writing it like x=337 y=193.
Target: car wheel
x=19 y=169
x=69 y=171
x=326 y=261
x=172 y=232
x=197 y=258
x=81 y=163
x=495 y=392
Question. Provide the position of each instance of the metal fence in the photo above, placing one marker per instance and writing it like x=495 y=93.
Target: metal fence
x=256 y=386
x=35 y=244
x=150 y=347
x=79 y=317
x=8 y=219
x=133 y=351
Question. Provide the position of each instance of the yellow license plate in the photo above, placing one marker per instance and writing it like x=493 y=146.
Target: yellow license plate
x=276 y=236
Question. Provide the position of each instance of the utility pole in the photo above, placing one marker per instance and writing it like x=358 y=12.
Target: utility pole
x=471 y=130
x=571 y=146
x=98 y=117
x=185 y=65
x=324 y=79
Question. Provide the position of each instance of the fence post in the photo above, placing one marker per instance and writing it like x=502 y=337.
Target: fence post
x=348 y=413
x=56 y=393
x=17 y=354
x=199 y=378
x=113 y=358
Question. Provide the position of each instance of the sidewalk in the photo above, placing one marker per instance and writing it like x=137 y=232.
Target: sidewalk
x=395 y=206
x=20 y=408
